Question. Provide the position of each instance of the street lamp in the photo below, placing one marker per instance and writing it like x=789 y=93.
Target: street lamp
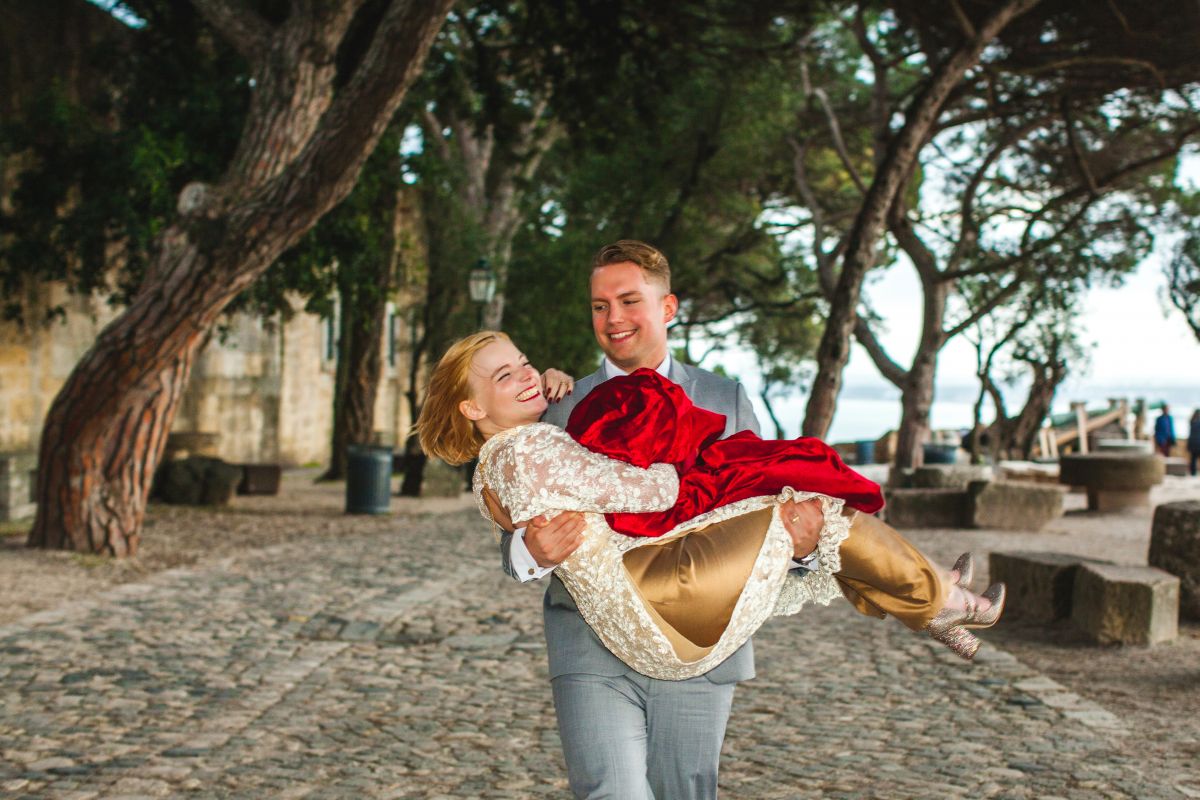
x=481 y=284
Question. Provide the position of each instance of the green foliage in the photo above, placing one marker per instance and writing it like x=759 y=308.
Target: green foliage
x=692 y=165
x=101 y=175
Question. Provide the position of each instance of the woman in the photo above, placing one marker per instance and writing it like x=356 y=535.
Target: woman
x=485 y=399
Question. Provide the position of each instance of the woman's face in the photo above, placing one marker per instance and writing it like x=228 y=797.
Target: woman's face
x=506 y=391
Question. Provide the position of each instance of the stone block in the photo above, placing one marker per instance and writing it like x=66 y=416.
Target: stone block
x=1176 y=466
x=1041 y=586
x=1118 y=604
x=1112 y=500
x=1027 y=472
x=197 y=481
x=220 y=483
x=1012 y=505
x=948 y=476
x=1114 y=481
x=442 y=480
x=1125 y=446
x=926 y=508
x=260 y=479
x=1175 y=547
x=18 y=480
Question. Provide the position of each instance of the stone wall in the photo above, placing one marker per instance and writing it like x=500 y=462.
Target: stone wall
x=266 y=389
x=35 y=361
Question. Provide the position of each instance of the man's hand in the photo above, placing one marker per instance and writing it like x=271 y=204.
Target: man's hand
x=804 y=522
x=551 y=541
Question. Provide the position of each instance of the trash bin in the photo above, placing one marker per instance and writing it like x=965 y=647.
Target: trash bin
x=864 y=452
x=368 y=479
x=941 y=453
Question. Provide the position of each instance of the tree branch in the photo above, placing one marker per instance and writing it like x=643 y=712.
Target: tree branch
x=986 y=307
x=249 y=33
x=328 y=166
x=825 y=274
x=886 y=365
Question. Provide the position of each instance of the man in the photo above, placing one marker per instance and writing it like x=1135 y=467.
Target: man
x=624 y=735
x=1164 y=432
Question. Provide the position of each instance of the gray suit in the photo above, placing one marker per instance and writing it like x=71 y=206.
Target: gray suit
x=625 y=735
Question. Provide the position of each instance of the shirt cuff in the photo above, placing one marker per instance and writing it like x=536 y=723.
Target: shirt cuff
x=811 y=562
x=523 y=564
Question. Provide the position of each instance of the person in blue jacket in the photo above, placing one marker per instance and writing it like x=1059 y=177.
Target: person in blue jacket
x=1164 y=432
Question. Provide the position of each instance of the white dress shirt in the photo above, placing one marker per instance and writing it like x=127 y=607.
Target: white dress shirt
x=524 y=565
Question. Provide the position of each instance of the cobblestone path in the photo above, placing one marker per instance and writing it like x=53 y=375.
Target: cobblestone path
x=403 y=664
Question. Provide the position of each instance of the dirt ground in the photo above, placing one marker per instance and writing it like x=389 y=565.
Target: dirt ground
x=1152 y=688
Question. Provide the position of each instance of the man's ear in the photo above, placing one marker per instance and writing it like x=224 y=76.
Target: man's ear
x=471 y=411
x=670 y=307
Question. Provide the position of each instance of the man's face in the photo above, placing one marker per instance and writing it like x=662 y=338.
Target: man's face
x=630 y=316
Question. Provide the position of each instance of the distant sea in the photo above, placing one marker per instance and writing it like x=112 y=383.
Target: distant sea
x=867 y=412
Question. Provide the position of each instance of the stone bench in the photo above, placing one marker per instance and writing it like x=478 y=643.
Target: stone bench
x=1113 y=481
x=925 y=508
x=1027 y=472
x=1041 y=586
x=18 y=481
x=1175 y=547
x=948 y=476
x=1176 y=466
x=1118 y=604
x=261 y=479
x=442 y=480
x=197 y=481
x=1013 y=505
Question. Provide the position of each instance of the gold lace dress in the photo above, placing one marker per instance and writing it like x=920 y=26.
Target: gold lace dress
x=671 y=607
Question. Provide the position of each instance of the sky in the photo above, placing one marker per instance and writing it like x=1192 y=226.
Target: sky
x=1142 y=348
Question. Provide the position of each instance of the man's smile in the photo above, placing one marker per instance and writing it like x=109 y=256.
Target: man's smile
x=622 y=335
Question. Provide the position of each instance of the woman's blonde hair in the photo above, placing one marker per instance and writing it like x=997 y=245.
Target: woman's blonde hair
x=443 y=430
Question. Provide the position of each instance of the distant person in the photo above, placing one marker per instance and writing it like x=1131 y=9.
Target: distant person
x=1164 y=432
x=1194 y=441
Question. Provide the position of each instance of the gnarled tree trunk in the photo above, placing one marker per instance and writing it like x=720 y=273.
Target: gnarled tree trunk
x=301 y=150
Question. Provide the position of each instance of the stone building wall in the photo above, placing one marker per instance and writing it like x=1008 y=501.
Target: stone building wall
x=266 y=389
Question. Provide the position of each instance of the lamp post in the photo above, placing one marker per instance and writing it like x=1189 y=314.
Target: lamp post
x=481 y=284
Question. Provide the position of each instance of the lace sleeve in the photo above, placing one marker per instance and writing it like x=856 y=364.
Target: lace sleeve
x=543 y=469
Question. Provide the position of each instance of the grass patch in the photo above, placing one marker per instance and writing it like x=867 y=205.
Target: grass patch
x=15 y=528
x=89 y=560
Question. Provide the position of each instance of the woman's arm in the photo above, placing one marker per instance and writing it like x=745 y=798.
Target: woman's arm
x=546 y=470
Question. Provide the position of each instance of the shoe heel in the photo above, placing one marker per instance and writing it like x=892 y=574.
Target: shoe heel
x=961 y=641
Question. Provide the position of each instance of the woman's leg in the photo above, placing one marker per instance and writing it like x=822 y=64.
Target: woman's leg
x=882 y=573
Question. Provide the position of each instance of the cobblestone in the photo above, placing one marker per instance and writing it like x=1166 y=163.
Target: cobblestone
x=401 y=663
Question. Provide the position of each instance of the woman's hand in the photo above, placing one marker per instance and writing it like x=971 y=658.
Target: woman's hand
x=556 y=385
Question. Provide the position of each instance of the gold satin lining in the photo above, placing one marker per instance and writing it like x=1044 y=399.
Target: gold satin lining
x=691 y=584
x=882 y=573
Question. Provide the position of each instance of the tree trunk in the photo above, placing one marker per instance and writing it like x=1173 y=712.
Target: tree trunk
x=916 y=399
x=360 y=368
x=1025 y=426
x=105 y=431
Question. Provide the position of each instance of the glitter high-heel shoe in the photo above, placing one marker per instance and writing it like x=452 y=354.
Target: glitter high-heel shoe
x=965 y=566
x=950 y=625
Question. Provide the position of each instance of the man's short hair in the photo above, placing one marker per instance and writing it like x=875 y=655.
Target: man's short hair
x=646 y=256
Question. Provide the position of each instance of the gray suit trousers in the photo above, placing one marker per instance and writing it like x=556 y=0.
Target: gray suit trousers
x=635 y=738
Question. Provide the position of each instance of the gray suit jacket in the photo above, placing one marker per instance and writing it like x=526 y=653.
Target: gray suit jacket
x=573 y=647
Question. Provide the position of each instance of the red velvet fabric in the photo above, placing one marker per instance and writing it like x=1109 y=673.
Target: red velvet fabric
x=644 y=419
